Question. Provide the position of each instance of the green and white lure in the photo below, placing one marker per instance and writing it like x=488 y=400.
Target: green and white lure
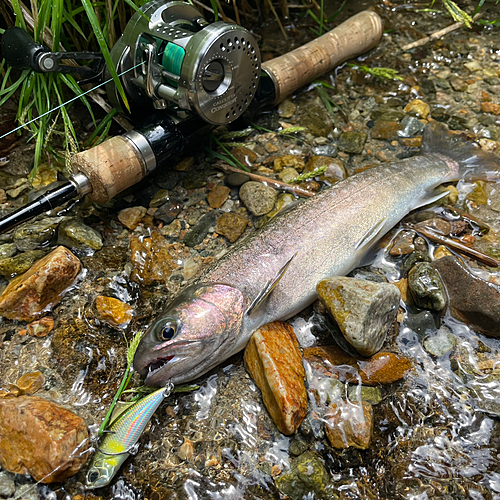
x=121 y=439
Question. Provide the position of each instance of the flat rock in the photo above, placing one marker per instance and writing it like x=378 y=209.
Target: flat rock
x=35 y=235
x=41 y=327
x=473 y=300
x=385 y=130
x=382 y=368
x=364 y=310
x=352 y=142
x=231 y=225
x=74 y=233
x=273 y=359
x=41 y=286
x=349 y=424
x=218 y=196
x=200 y=231
x=288 y=161
x=113 y=311
x=335 y=170
x=38 y=437
x=131 y=217
x=257 y=197
x=20 y=263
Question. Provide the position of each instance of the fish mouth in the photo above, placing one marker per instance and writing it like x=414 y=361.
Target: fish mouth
x=152 y=369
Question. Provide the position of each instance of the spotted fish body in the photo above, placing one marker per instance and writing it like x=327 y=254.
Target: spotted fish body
x=326 y=235
x=121 y=438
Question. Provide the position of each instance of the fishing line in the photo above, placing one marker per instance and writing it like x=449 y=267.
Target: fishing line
x=67 y=102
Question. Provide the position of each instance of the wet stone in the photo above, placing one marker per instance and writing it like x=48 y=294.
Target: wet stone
x=349 y=424
x=410 y=126
x=372 y=395
x=384 y=130
x=132 y=217
x=27 y=492
x=7 y=250
x=382 y=368
x=42 y=285
x=285 y=161
x=364 y=310
x=286 y=109
x=352 y=142
x=335 y=170
x=73 y=233
x=257 y=197
x=426 y=287
x=403 y=244
x=315 y=119
x=35 y=235
x=274 y=361
x=41 y=327
x=185 y=164
x=244 y=155
x=236 y=179
x=473 y=300
x=387 y=113
x=458 y=84
x=307 y=478
x=440 y=343
x=113 y=311
x=173 y=230
x=490 y=107
x=436 y=224
x=38 y=437
x=169 y=211
x=160 y=198
x=288 y=174
x=418 y=108
x=422 y=323
x=231 y=226
x=413 y=258
x=20 y=263
x=200 y=231
x=218 y=196
x=7 y=484
x=31 y=382
x=329 y=149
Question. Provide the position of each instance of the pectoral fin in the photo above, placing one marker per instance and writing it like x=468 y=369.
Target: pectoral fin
x=430 y=198
x=370 y=236
x=270 y=285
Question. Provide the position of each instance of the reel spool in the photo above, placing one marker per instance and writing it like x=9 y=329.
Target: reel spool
x=180 y=62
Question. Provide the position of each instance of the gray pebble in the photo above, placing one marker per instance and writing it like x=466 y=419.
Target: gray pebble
x=257 y=197
x=7 y=485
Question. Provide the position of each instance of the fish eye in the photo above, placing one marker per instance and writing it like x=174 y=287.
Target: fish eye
x=92 y=476
x=168 y=330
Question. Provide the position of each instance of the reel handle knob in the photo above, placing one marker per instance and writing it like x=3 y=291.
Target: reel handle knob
x=303 y=65
x=20 y=50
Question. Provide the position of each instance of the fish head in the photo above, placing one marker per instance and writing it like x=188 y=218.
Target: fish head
x=192 y=335
x=102 y=469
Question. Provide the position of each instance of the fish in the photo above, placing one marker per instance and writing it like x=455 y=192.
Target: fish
x=271 y=274
x=121 y=439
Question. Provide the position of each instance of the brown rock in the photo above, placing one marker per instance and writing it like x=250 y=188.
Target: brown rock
x=403 y=243
x=3 y=196
x=490 y=107
x=41 y=438
x=418 y=108
x=285 y=161
x=42 y=327
x=273 y=360
x=335 y=170
x=231 y=226
x=412 y=142
x=385 y=130
x=151 y=259
x=218 y=196
x=29 y=383
x=382 y=368
x=113 y=311
x=349 y=424
x=185 y=164
x=130 y=217
x=244 y=155
x=42 y=285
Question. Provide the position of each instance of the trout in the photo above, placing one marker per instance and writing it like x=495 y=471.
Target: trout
x=272 y=273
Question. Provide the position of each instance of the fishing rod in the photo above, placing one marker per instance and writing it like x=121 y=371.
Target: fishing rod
x=182 y=76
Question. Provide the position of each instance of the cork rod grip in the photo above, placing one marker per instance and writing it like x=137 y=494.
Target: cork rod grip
x=110 y=167
x=295 y=69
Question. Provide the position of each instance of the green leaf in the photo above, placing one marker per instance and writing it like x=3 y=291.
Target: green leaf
x=73 y=85
x=104 y=49
x=102 y=128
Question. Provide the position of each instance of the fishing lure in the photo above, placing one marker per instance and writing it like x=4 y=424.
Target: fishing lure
x=121 y=439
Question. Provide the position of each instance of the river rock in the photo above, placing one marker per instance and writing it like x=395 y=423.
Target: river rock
x=231 y=225
x=403 y=243
x=335 y=170
x=236 y=179
x=307 y=478
x=274 y=361
x=382 y=368
x=169 y=211
x=113 y=311
x=244 y=155
x=257 y=197
x=384 y=130
x=41 y=327
x=288 y=161
x=288 y=174
x=7 y=250
x=161 y=197
x=31 y=382
x=418 y=108
x=287 y=108
x=411 y=126
x=349 y=424
x=20 y=263
x=436 y=224
x=35 y=235
x=132 y=216
x=42 y=285
x=151 y=259
x=7 y=484
x=440 y=343
x=364 y=310
x=200 y=231
x=74 y=233
x=218 y=196
x=413 y=258
x=352 y=142
x=473 y=300
x=426 y=288
x=38 y=437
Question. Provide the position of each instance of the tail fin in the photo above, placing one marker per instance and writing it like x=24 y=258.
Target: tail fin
x=473 y=162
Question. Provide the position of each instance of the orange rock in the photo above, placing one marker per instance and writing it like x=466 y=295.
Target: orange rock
x=29 y=383
x=349 y=424
x=132 y=216
x=382 y=368
x=42 y=285
x=490 y=107
x=41 y=438
x=114 y=311
x=218 y=196
x=42 y=327
x=273 y=360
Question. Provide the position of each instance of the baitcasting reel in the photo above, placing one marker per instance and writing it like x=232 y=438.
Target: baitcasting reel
x=176 y=60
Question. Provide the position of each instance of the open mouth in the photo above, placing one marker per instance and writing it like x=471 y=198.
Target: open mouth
x=157 y=365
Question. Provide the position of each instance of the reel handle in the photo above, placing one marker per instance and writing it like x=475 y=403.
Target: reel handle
x=295 y=69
